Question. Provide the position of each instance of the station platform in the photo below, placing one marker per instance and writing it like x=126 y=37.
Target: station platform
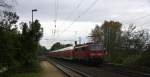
x=49 y=70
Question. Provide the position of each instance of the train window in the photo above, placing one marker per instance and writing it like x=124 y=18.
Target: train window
x=96 y=47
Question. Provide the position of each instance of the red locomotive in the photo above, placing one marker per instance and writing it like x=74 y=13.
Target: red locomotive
x=89 y=52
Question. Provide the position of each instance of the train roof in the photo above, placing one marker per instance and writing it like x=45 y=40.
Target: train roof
x=64 y=49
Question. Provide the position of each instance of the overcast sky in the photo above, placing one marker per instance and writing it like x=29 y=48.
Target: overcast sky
x=76 y=18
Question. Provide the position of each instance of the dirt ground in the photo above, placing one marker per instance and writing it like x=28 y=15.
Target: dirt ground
x=48 y=70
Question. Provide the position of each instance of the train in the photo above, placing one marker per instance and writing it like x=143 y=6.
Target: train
x=87 y=53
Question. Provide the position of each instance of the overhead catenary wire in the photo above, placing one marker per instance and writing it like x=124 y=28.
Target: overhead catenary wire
x=74 y=10
x=134 y=19
x=140 y=18
x=127 y=15
x=56 y=5
x=79 y=16
x=55 y=21
x=130 y=8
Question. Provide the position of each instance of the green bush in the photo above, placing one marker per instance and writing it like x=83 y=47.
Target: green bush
x=144 y=59
x=129 y=58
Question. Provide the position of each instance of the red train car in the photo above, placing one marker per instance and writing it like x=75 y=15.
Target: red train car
x=90 y=52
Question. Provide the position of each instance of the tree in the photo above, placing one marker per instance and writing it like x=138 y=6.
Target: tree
x=58 y=45
x=17 y=49
x=134 y=39
x=42 y=50
x=9 y=44
x=127 y=36
x=109 y=33
x=5 y=4
x=30 y=42
x=112 y=33
x=97 y=34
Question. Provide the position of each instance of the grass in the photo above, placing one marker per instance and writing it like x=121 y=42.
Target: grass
x=27 y=75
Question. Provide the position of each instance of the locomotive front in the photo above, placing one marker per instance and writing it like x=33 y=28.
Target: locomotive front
x=90 y=52
x=96 y=53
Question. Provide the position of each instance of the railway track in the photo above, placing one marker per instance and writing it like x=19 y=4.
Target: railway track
x=85 y=71
x=101 y=71
x=70 y=72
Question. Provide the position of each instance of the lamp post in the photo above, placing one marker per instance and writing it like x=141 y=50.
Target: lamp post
x=34 y=10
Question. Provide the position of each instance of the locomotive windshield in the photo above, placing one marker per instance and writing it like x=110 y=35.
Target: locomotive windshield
x=96 y=47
